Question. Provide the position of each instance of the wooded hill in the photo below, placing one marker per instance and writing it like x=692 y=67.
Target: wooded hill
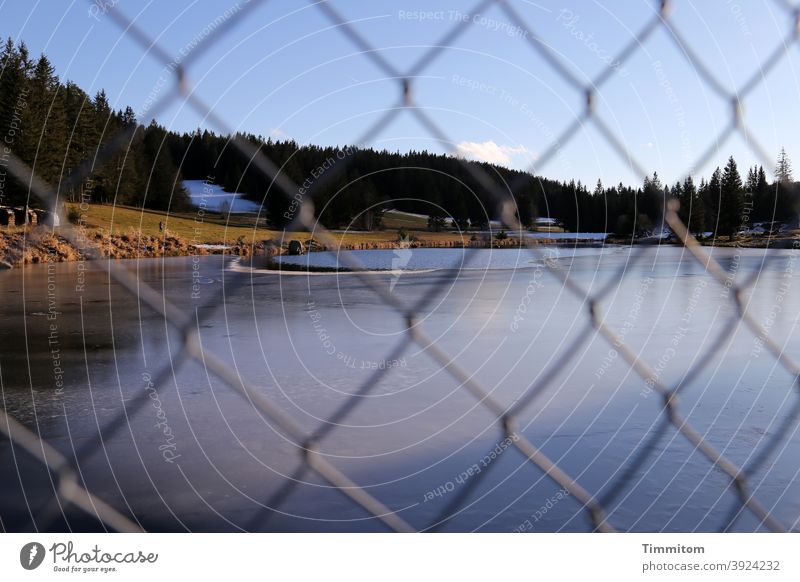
x=54 y=126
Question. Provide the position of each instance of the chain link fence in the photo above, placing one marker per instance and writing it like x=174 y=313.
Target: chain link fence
x=69 y=489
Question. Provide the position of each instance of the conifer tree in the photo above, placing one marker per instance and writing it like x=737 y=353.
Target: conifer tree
x=43 y=142
x=696 y=214
x=785 y=190
x=783 y=169
x=732 y=209
x=711 y=200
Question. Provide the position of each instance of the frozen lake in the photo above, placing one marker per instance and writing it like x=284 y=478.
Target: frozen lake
x=309 y=342
x=447 y=259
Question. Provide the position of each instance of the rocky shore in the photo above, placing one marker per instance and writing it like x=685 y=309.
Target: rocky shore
x=32 y=245
x=38 y=245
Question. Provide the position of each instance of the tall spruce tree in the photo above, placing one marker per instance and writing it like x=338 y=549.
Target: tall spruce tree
x=43 y=143
x=696 y=215
x=16 y=68
x=712 y=195
x=732 y=208
x=164 y=189
x=763 y=197
x=783 y=169
x=785 y=188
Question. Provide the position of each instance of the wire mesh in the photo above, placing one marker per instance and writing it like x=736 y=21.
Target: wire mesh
x=69 y=488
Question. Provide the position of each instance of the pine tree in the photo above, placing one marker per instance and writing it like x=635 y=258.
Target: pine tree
x=164 y=189
x=13 y=101
x=752 y=179
x=104 y=175
x=783 y=170
x=786 y=192
x=82 y=136
x=712 y=195
x=651 y=201
x=130 y=163
x=676 y=193
x=43 y=143
x=696 y=214
x=763 y=200
x=732 y=209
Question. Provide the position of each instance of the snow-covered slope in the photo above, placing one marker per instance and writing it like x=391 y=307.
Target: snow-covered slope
x=214 y=199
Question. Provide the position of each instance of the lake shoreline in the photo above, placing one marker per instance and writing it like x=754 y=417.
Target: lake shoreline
x=34 y=245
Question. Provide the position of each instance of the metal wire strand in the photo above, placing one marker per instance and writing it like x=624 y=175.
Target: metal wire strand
x=308 y=442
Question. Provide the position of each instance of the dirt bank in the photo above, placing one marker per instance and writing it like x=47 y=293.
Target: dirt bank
x=32 y=245
x=38 y=245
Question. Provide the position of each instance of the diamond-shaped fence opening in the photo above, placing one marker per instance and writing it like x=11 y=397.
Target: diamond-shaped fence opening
x=69 y=486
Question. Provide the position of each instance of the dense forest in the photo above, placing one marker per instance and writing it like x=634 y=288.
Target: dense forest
x=55 y=126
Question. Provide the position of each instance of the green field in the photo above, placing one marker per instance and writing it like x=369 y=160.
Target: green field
x=213 y=228
x=392 y=219
x=201 y=228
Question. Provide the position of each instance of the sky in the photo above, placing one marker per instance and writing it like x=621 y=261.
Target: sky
x=285 y=70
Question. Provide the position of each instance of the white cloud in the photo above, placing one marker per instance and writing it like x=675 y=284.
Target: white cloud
x=278 y=133
x=489 y=151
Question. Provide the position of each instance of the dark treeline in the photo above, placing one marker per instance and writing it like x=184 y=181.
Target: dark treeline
x=56 y=126
x=349 y=185
x=441 y=186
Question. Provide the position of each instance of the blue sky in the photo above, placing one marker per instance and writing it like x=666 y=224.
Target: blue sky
x=285 y=70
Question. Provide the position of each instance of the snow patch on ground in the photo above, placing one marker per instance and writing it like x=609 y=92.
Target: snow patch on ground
x=212 y=247
x=568 y=235
x=214 y=199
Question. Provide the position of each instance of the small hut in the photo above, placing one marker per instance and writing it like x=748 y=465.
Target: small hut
x=7 y=217
x=46 y=217
x=312 y=245
x=24 y=215
x=295 y=248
